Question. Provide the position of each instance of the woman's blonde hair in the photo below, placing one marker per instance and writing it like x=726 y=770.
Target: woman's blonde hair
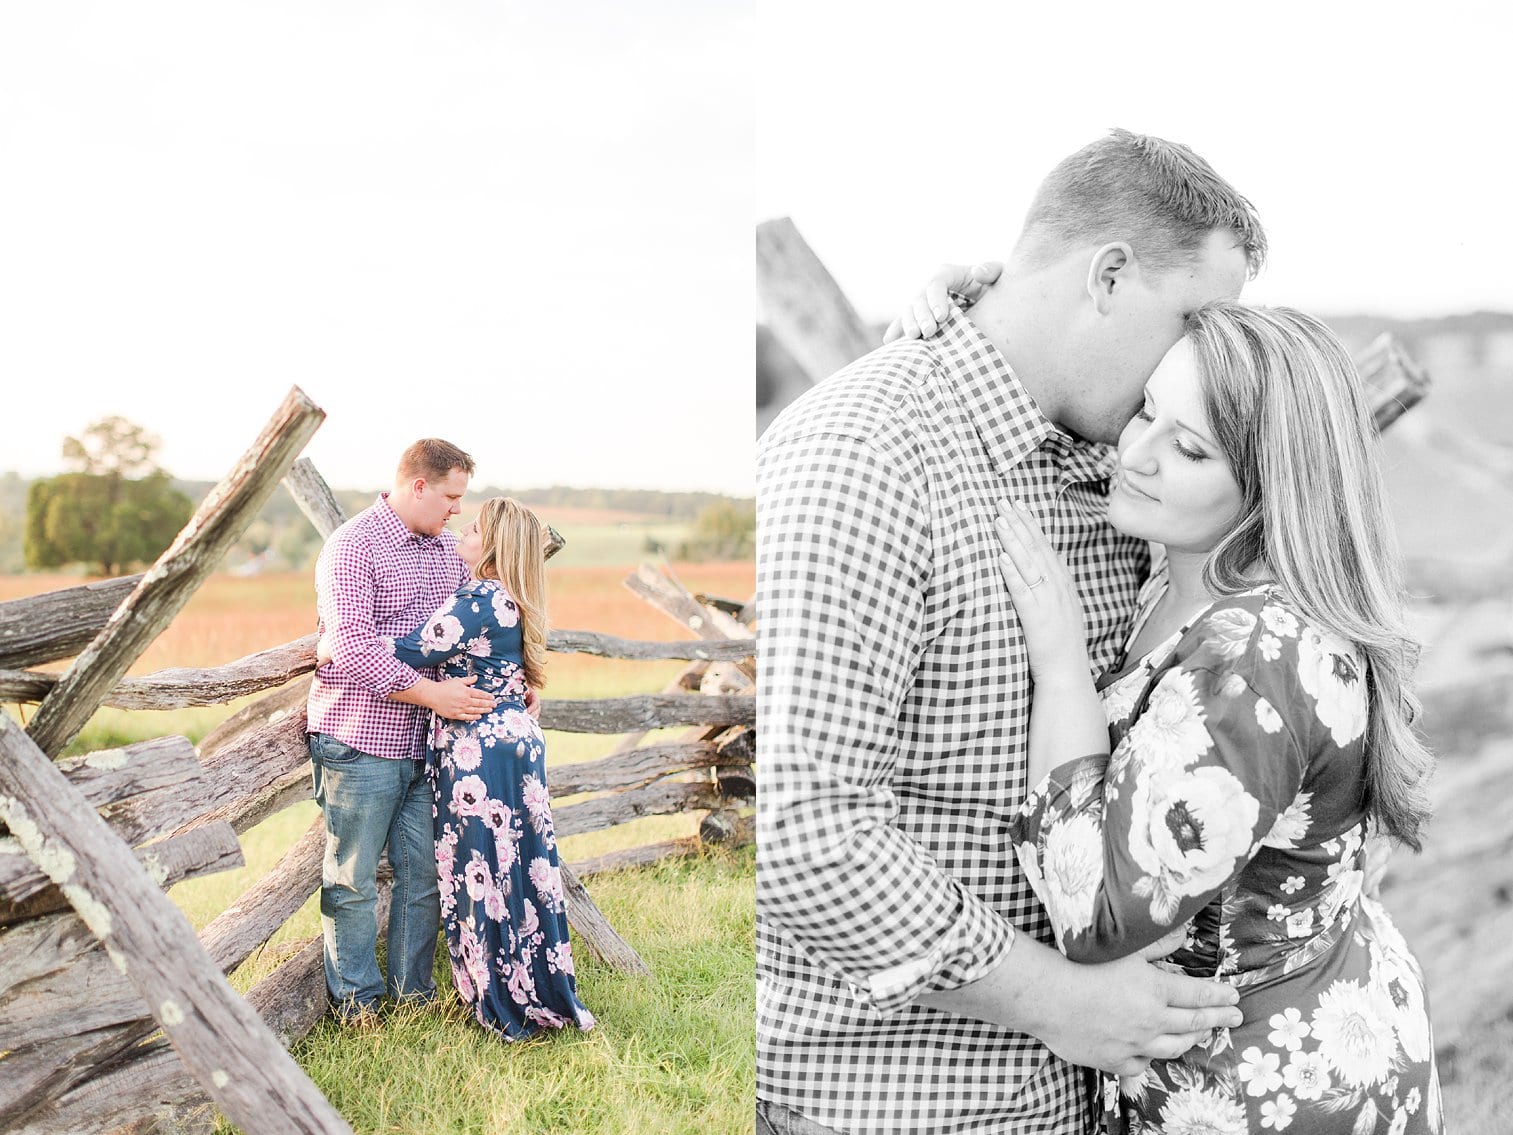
x=514 y=553
x=1289 y=411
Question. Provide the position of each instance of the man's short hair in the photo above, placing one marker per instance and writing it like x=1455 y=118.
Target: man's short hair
x=1159 y=196
x=433 y=459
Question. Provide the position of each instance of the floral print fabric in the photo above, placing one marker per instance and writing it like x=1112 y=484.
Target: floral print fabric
x=496 y=852
x=1232 y=805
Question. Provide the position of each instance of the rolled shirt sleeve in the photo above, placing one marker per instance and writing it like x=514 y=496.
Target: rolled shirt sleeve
x=346 y=583
x=843 y=569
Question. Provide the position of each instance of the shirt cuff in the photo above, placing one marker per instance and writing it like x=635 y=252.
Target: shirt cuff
x=975 y=946
x=384 y=675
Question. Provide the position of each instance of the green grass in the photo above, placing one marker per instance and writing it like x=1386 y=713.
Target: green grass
x=671 y=1053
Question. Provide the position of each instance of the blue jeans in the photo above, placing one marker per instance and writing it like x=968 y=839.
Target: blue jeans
x=370 y=804
x=775 y=1119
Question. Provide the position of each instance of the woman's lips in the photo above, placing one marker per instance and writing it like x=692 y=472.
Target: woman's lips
x=1123 y=482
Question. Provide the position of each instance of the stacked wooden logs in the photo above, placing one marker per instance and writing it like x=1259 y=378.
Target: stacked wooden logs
x=92 y=1038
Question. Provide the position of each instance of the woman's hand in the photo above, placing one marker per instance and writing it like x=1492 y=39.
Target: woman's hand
x=925 y=313
x=323 y=650
x=1045 y=598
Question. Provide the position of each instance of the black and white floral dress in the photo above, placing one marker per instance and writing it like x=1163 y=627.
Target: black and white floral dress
x=1232 y=803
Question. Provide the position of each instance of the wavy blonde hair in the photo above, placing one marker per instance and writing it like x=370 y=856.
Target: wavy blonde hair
x=514 y=552
x=1289 y=411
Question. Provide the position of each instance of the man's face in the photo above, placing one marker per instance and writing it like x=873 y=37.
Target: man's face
x=1122 y=346
x=436 y=502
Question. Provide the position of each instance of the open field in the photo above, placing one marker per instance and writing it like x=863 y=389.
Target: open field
x=230 y=617
x=672 y=1053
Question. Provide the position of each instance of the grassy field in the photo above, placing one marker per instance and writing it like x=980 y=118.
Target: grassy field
x=672 y=1053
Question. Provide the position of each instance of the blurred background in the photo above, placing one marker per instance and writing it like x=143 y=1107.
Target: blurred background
x=1375 y=153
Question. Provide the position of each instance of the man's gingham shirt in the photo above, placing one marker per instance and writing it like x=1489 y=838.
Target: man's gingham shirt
x=894 y=720
x=375 y=578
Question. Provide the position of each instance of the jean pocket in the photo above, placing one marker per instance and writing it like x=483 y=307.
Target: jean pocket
x=329 y=751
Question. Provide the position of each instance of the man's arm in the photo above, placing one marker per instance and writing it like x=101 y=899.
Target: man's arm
x=843 y=562
x=346 y=593
x=452 y=698
x=346 y=596
x=1116 y=1016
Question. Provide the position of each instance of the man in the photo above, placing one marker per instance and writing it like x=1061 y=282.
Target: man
x=379 y=575
x=901 y=962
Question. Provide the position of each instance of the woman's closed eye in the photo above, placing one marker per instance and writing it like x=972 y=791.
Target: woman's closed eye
x=1146 y=415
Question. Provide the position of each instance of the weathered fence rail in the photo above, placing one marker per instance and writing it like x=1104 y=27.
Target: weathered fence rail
x=91 y=842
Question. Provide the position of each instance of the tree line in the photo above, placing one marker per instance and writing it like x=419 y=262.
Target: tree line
x=115 y=508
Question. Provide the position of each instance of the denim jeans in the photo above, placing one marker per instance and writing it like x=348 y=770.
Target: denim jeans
x=371 y=804
x=775 y=1119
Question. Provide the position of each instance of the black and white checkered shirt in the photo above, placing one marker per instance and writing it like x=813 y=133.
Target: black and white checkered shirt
x=894 y=721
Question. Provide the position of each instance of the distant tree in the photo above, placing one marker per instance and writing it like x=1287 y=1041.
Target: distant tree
x=112 y=446
x=12 y=522
x=724 y=530
x=299 y=544
x=119 y=508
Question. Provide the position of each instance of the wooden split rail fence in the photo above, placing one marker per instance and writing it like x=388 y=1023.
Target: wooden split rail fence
x=114 y=1013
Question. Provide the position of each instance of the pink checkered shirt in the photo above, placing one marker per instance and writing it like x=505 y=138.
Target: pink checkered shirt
x=375 y=578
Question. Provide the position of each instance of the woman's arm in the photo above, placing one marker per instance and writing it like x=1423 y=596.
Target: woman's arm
x=1121 y=850
x=437 y=638
x=1066 y=716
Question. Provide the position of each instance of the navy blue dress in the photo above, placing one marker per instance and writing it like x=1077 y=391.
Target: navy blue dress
x=496 y=852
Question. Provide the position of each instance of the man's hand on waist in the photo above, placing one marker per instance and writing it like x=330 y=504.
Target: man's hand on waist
x=1115 y=1016
x=453 y=698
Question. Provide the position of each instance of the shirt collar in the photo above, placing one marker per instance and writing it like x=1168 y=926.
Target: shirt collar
x=1005 y=415
x=393 y=529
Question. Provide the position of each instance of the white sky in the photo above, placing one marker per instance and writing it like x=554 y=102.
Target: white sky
x=524 y=227
x=1374 y=139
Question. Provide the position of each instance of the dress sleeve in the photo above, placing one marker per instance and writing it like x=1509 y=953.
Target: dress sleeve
x=843 y=565
x=1123 y=848
x=458 y=626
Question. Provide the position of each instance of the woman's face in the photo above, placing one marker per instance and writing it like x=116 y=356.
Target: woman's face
x=470 y=544
x=1173 y=484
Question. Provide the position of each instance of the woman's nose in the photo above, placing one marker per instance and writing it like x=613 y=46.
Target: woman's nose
x=1139 y=456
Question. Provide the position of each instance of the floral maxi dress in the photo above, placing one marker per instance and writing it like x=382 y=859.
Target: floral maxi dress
x=496 y=852
x=1232 y=804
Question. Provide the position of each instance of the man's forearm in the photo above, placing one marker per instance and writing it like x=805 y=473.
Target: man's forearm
x=422 y=693
x=1013 y=993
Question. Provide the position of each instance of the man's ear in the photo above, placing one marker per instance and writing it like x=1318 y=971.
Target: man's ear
x=417 y=487
x=1110 y=268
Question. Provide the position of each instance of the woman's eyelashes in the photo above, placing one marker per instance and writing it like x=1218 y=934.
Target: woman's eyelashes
x=1145 y=415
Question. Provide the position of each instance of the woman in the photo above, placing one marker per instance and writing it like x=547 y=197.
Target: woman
x=1222 y=777
x=496 y=854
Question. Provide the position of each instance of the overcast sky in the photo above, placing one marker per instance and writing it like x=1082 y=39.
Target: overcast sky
x=523 y=227
x=1374 y=139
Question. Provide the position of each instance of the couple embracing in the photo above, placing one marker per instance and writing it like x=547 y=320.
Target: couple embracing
x=423 y=743
x=1085 y=680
